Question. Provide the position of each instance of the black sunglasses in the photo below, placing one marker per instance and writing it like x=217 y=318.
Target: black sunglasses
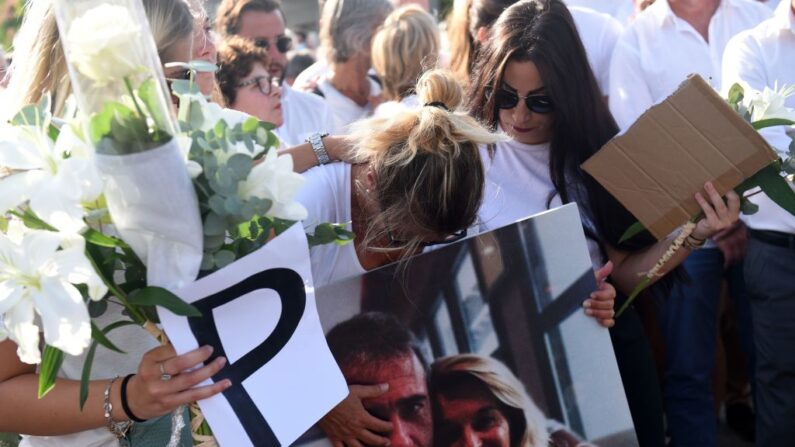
x=455 y=237
x=283 y=43
x=265 y=84
x=505 y=99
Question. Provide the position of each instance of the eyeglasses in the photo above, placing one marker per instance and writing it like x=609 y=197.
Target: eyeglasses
x=265 y=84
x=505 y=99
x=283 y=43
x=455 y=237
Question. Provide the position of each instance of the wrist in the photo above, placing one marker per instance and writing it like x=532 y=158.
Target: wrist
x=117 y=412
x=125 y=396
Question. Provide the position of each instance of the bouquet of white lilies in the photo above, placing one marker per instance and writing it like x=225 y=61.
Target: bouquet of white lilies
x=120 y=201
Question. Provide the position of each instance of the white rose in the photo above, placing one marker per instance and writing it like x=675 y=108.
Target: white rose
x=104 y=44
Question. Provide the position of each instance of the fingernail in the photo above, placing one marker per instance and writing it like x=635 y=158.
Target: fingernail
x=587 y=303
x=227 y=383
x=589 y=312
x=209 y=349
x=384 y=387
x=593 y=295
x=221 y=361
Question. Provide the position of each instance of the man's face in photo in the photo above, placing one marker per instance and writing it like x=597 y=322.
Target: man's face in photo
x=266 y=29
x=406 y=404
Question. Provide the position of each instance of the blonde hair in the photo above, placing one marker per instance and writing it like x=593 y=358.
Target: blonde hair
x=405 y=46
x=39 y=64
x=527 y=423
x=460 y=41
x=427 y=166
x=347 y=26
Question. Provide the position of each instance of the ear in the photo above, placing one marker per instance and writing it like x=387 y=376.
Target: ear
x=371 y=179
x=483 y=35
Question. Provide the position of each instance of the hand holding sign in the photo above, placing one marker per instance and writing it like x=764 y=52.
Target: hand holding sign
x=260 y=314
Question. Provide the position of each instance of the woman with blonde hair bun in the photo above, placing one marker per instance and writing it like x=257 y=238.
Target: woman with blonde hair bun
x=404 y=47
x=477 y=397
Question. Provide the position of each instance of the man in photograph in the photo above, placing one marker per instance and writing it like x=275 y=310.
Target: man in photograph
x=375 y=349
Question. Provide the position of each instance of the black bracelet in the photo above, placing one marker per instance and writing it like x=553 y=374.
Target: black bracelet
x=124 y=404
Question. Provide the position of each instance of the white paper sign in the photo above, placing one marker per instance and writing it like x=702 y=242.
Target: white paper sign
x=260 y=313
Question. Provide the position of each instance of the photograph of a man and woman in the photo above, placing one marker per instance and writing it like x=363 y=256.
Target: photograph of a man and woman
x=482 y=342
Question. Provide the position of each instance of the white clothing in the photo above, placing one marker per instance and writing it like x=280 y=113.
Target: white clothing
x=135 y=342
x=343 y=110
x=621 y=10
x=659 y=50
x=599 y=34
x=312 y=74
x=518 y=185
x=389 y=108
x=327 y=198
x=760 y=58
x=304 y=115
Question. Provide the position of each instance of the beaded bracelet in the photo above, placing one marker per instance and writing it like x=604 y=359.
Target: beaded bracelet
x=119 y=429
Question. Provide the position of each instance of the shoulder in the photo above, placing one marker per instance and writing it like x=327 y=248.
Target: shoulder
x=326 y=193
x=303 y=98
x=753 y=9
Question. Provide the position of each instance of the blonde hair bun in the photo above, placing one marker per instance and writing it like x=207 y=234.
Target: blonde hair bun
x=440 y=87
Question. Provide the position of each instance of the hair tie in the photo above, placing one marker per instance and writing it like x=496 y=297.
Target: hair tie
x=438 y=104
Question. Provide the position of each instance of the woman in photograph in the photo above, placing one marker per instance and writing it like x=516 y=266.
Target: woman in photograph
x=478 y=401
x=57 y=419
x=533 y=82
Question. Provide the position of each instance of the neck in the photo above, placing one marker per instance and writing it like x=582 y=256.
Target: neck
x=697 y=13
x=350 y=78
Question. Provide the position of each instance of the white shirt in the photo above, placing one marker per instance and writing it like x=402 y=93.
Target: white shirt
x=518 y=185
x=621 y=10
x=327 y=198
x=389 y=108
x=760 y=58
x=599 y=34
x=659 y=50
x=343 y=110
x=304 y=115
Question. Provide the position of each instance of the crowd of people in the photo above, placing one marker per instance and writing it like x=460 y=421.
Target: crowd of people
x=420 y=133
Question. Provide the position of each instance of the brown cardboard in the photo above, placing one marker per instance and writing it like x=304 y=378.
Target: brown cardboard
x=657 y=166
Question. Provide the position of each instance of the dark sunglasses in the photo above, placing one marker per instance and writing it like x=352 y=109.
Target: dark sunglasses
x=265 y=84
x=505 y=99
x=455 y=237
x=283 y=43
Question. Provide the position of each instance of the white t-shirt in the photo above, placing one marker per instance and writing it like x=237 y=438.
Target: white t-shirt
x=327 y=198
x=759 y=58
x=343 y=110
x=599 y=34
x=621 y=10
x=304 y=115
x=659 y=50
x=135 y=342
x=518 y=185
x=389 y=108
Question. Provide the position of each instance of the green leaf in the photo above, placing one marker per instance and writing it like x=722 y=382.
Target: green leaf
x=3 y=224
x=95 y=237
x=100 y=338
x=158 y=296
x=32 y=221
x=250 y=125
x=36 y=115
x=150 y=96
x=771 y=122
x=85 y=377
x=51 y=361
x=747 y=207
x=224 y=258
x=634 y=230
x=736 y=95
x=777 y=188
x=214 y=225
x=643 y=285
x=241 y=165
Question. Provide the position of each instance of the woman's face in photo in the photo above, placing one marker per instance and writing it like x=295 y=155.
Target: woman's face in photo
x=259 y=96
x=472 y=418
x=522 y=80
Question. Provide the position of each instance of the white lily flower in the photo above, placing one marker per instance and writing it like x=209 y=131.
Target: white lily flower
x=274 y=179
x=770 y=103
x=55 y=177
x=37 y=277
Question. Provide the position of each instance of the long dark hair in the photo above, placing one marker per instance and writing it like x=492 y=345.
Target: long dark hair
x=543 y=32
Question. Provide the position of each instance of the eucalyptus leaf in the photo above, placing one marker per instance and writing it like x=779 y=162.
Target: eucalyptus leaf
x=241 y=165
x=213 y=243
x=224 y=258
x=214 y=225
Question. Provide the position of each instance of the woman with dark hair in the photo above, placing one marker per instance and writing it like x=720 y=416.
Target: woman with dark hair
x=532 y=80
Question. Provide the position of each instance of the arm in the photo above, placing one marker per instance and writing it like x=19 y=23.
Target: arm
x=58 y=413
x=630 y=266
x=304 y=158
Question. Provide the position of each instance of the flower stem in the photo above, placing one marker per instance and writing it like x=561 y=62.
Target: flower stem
x=130 y=90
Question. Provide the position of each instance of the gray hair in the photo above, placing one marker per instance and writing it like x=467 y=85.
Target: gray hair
x=348 y=26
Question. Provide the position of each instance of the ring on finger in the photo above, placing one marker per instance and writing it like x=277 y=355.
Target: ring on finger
x=164 y=376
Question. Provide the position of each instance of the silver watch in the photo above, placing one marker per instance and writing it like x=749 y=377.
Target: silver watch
x=316 y=140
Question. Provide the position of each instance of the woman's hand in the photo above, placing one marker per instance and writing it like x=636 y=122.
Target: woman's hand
x=350 y=424
x=150 y=396
x=718 y=215
x=601 y=303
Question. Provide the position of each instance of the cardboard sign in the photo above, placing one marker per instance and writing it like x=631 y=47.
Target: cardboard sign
x=260 y=313
x=658 y=165
x=508 y=302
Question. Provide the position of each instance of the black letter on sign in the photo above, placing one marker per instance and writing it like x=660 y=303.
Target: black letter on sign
x=290 y=287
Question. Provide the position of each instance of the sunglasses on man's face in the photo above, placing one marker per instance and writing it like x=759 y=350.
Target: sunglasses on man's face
x=506 y=99
x=283 y=43
x=455 y=237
